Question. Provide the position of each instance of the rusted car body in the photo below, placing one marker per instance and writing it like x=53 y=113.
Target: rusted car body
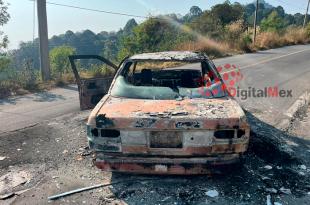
x=91 y=90
x=159 y=122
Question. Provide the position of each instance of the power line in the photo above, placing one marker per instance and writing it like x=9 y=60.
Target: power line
x=95 y=10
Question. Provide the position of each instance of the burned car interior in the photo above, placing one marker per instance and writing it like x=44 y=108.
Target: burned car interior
x=172 y=77
x=160 y=82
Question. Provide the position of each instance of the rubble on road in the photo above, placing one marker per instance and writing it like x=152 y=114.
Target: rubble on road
x=268 y=167
x=11 y=180
x=285 y=191
x=7 y=196
x=212 y=193
x=269 y=200
x=271 y=190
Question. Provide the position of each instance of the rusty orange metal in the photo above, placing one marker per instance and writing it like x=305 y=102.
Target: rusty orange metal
x=167 y=136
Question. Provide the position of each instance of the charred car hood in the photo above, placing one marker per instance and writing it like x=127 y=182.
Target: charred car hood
x=124 y=113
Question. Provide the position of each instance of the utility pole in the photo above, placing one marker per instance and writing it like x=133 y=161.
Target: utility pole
x=43 y=36
x=255 y=22
x=305 y=19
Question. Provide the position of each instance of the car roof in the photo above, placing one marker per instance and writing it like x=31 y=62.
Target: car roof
x=188 y=56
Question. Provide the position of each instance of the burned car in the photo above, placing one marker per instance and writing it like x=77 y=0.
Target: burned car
x=164 y=113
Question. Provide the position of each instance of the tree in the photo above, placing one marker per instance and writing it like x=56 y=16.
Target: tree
x=299 y=19
x=227 y=12
x=195 y=11
x=130 y=25
x=207 y=24
x=272 y=23
x=111 y=47
x=28 y=51
x=59 y=59
x=4 y=18
x=4 y=63
x=249 y=10
x=289 y=19
x=280 y=11
x=155 y=34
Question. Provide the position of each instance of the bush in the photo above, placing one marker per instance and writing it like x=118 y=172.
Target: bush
x=211 y=48
x=267 y=40
x=245 y=43
x=17 y=82
x=234 y=33
x=59 y=60
x=308 y=29
x=295 y=35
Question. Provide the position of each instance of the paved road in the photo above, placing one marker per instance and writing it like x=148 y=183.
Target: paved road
x=24 y=111
x=288 y=68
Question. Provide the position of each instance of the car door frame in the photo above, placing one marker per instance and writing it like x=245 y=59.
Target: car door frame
x=89 y=97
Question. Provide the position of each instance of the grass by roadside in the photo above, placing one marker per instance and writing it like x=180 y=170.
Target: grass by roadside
x=242 y=43
x=20 y=83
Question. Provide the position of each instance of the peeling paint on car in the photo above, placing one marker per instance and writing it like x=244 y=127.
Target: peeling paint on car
x=187 y=125
x=171 y=56
x=146 y=123
x=183 y=135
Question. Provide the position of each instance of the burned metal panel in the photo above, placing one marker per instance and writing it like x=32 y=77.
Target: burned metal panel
x=198 y=139
x=136 y=138
x=177 y=166
x=171 y=114
x=93 y=89
x=101 y=143
x=173 y=143
x=164 y=139
x=169 y=136
x=171 y=56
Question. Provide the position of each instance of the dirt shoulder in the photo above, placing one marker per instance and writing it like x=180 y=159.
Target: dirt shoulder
x=52 y=157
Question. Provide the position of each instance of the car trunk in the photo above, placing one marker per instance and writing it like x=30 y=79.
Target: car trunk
x=191 y=127
x=197 y=114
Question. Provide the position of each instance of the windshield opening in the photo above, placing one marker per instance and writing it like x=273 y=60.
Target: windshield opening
x=168 y=80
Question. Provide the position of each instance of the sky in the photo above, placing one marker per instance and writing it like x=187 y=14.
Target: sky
x=60 y=19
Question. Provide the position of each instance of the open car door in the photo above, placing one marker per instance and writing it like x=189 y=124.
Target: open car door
x=91 y=90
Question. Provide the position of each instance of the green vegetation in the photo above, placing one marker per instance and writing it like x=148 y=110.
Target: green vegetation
x=224 y=29
x=155 y=34
x=59 y=61
x=273 y=23
x=4 y=18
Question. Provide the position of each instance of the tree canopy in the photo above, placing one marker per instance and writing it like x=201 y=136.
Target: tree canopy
x=273 y=22
x=4 y=18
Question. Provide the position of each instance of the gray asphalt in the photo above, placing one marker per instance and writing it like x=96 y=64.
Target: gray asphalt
x=28 y=110
x=287 y=68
